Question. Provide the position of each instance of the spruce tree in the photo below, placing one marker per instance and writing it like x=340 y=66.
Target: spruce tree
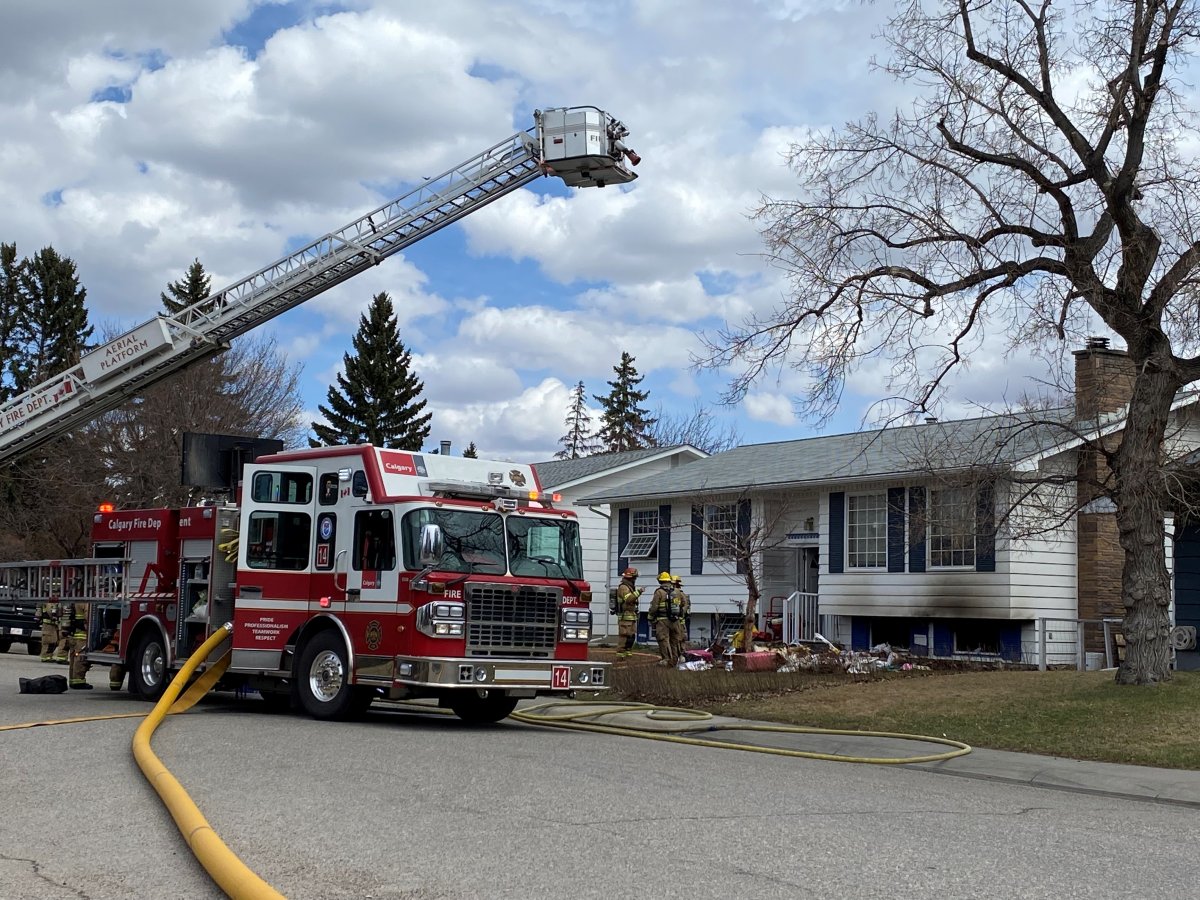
x=377 y=397
x=193 y=287
x=624 y=424
x=53 y=330
x=579 y=440
x=10 y=314
x=471 y=452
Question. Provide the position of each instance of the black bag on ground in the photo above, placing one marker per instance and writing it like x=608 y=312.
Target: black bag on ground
x=47 y=684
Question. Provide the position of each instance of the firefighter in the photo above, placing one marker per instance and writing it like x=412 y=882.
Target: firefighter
x=627 y=611
x=679 y=631
x=664 y=613
x=77 y=629
x=49 y=631
x=62 y=650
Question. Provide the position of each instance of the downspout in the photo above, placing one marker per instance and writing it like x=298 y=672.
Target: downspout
x=608 y=558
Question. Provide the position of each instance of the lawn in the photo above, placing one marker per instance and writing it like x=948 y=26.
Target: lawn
x=1082 y=715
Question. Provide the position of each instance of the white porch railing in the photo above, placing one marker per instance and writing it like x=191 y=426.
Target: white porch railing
x=799 y=617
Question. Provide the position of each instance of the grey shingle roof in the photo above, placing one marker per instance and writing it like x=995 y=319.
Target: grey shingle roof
x=561 y=471
x=912 y=449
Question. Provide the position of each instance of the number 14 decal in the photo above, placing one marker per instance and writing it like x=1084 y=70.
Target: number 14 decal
x=560 y=677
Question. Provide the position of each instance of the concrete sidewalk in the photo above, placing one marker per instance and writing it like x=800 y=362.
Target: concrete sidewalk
x=1179 y=786
x=1176 y=786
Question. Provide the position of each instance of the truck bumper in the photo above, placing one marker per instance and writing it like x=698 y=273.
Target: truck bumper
x=540 y=676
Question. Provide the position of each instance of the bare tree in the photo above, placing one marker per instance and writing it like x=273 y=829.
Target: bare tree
x=250 y=389
x=1039 y=184
x=738 y=531
x=699 y=428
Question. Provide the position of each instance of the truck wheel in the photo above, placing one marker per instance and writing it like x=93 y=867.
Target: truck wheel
x=33 y=648
x=476 y=710
x=148 y=667
x=5 y=643
x=323 y=677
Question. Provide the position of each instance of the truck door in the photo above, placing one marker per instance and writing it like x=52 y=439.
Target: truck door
x=372 y=578
x=275 y=555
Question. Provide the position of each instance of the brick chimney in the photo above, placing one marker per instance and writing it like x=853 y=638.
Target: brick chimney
x=1103 y=384
x=1103 y=379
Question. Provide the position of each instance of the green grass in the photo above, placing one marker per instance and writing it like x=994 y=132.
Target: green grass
x=1081 y=715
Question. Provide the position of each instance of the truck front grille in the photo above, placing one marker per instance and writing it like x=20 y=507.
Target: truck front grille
x=512 y=620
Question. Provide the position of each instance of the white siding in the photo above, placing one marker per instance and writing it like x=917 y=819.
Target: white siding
x=598 y=534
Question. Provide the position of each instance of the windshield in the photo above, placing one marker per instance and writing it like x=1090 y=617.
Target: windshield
x=484 y=542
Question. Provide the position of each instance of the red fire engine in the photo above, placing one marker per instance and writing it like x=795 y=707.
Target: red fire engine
x=356 y=573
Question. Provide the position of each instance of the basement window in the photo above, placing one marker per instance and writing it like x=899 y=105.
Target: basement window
x=977 y=639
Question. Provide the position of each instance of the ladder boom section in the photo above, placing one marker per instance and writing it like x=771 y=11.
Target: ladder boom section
x=580 y=145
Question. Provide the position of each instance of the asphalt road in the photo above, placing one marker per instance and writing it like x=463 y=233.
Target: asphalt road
x=403 y=806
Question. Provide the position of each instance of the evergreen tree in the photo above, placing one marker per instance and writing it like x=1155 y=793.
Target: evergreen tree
x=471 y=452
x=53 y=329
x=193 y=287
x=10 y=315
x=624 y=424
x=579 y=440
x=376 y=398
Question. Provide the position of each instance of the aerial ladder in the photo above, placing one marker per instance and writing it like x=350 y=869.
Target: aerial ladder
x=583 y=145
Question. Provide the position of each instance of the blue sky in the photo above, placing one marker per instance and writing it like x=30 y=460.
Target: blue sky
x=141 y=135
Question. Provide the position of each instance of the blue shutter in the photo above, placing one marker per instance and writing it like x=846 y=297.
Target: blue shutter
x=697 y=540
x=743 y=532
x=664 y=538
x=1010 y=642
x=985 y=528
x=622 y=538
x=943 y=639
x=916 y=529
x=837 y=532
x=895 y=529
x=860 y=633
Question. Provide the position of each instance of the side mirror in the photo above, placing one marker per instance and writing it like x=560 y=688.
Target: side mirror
x=432 y=546
x=359 y=487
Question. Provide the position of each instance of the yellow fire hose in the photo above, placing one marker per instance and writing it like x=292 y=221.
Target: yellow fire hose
x=222 y=865
x=575 y=720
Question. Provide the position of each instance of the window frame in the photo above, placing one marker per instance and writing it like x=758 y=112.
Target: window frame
x=935 y=517
x=643 y=537
x=721 y=512
x=871 y=549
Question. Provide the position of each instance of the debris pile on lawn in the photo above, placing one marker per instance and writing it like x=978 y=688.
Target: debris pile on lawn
x=810 y=656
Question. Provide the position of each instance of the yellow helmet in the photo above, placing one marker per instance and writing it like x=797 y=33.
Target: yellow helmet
x=664 y=576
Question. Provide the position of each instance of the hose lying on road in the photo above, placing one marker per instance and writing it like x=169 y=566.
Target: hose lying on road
x=222 y=865
x=578 y=719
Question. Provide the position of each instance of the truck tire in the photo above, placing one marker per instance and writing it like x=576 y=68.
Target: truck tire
x=33 y=648
x=148 y=667
x=5 y=643
x=323 y=678
x=476 y=710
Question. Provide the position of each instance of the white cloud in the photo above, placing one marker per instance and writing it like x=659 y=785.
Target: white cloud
x=773 y=408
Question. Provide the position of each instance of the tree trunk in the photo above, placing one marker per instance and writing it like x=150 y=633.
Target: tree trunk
x=1145 y=584
x=748 y=623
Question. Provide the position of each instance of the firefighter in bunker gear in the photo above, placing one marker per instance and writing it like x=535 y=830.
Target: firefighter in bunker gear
x=49 y=631
x=627 y=611
x=74 y=623
x=664 y=613
x=679 y=628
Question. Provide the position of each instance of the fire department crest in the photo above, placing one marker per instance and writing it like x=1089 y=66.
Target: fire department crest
x=374 y=635
x=517 y=477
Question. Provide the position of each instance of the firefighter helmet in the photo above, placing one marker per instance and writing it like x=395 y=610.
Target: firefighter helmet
x=664 y=576
x=631 y=572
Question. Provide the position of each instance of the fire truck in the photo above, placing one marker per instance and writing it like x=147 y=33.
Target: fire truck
x=347 y=573
x=351 y=574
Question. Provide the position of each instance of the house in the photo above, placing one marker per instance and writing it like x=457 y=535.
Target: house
x=946 y=538
x=572 y=478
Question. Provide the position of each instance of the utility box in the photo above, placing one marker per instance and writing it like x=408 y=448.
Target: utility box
x=583 y=146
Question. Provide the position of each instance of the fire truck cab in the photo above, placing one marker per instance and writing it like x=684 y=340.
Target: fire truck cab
x=356 y=573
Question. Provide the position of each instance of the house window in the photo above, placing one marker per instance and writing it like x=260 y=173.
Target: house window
x=951 y=527
x=977 y=638
x=720 y=526
x=643 y=534
x=866 y=531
